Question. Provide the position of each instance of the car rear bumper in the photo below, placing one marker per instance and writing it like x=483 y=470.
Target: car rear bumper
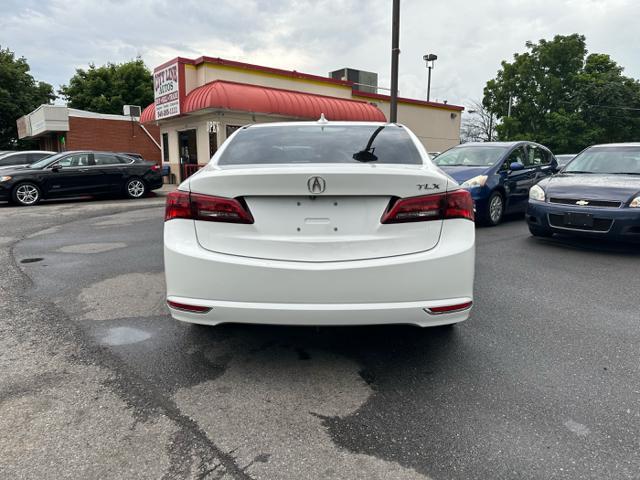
x=614 y=223
x=414 y=313
x=154 y=182
x=393 y=290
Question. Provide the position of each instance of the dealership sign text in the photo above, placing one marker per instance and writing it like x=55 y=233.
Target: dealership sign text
x=167 y=92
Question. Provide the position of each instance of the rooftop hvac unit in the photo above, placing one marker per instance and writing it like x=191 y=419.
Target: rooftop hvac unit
x=132 y=111
x=363 y=81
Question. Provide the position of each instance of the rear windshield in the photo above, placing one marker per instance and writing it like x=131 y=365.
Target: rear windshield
x=607 y=160
x=321 y=144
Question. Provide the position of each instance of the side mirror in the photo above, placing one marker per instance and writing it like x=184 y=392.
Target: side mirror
x=515 y=166
x=56 y=168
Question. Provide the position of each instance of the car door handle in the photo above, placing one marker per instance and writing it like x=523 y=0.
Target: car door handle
x=84 y=170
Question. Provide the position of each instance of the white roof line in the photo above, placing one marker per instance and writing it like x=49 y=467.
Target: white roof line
x=73 y=112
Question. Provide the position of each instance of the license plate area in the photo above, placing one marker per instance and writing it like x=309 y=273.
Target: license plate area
x=578 y=220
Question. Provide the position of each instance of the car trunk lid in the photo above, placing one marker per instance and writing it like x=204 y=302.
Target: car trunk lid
x=318 y=213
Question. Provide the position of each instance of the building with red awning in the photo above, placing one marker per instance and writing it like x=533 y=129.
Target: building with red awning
x=199 y=103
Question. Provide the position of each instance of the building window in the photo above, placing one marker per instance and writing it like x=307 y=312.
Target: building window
x=165 y=147
x=213 y=143
x=231 y=129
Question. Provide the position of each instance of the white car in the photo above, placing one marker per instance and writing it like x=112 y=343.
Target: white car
x=320 y=223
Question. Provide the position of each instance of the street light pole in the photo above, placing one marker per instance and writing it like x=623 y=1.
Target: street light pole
x=430 y=58
x=395 y=52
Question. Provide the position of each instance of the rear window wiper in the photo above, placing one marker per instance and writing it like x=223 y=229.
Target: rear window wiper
x=367 y=153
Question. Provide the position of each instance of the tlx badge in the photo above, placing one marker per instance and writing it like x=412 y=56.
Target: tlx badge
x=428 y=186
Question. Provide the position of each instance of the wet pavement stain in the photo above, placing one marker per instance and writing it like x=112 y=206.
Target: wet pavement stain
x=125 y=336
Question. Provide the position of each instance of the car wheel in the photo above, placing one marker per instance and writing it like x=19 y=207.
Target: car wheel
x=540 y=231
x=494 y=210
x=135 y=188
x=26 y=194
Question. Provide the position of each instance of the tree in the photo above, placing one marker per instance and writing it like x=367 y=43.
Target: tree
x=479 y=124
x=107 y=88
x=559 y=96
x=19 y=95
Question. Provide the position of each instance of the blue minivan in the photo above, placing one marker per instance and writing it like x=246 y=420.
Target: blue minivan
x=498 y=174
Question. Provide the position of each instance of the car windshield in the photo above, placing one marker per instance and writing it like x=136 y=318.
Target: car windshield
x=321 y=144
x=43 y=162
x=471 y=156
x=564 y=158
x=607 y=160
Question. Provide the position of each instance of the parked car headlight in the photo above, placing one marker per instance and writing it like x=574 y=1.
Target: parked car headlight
x=635 y=203
x=478 y=181
x=536 y=193
x=6 y=178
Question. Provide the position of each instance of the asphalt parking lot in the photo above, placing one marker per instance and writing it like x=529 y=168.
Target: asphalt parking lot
x=99 y=382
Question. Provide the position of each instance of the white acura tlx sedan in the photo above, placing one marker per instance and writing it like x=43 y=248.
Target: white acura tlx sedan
x=320 y=223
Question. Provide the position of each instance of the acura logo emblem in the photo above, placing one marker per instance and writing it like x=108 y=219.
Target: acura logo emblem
x=582 y=203
x=316 y=185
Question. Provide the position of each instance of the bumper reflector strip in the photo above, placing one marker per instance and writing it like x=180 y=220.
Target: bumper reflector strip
x=188 y=308
x=449 y=308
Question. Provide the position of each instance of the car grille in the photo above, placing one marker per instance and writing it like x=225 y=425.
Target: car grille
x=599 y=224
x=592 y=203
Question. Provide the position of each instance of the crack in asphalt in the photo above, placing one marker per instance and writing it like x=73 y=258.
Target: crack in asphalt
x=140 y=395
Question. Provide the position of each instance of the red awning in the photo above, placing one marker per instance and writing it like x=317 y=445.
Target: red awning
x=273 y=101
x=148 y=114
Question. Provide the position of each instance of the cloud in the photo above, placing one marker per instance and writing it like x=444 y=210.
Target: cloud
x=470 y=38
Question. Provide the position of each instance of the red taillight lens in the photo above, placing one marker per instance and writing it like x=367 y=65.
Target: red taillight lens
x=188 y=308
x=206 y=208
x=450 y=308
x=155 y=168
x=439 y=206
x=459 y=204
x=177 y=206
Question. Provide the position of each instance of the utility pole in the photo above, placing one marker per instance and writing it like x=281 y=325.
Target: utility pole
x=490 y=127
x=508 y=115
x=395 y=52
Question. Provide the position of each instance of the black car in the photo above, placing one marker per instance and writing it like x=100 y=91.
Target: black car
x=71 y=174
x=131 y=154
x=10 y=159
x=597 y=194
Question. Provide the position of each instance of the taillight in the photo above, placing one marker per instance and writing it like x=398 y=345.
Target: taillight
x=187 y=307
x=207 y=208
x=177 y=206
x=439 y=206
x=458 y=307
x=155 y=168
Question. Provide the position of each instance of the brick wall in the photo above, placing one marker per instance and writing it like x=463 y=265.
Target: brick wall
x=112 y=135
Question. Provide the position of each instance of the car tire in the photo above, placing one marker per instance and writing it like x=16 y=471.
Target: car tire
x=494 y=211
x=26 y=194
x=540 y=231
x=135 y=188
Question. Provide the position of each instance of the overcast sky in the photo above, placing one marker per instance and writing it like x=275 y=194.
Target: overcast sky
x=470 y=37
